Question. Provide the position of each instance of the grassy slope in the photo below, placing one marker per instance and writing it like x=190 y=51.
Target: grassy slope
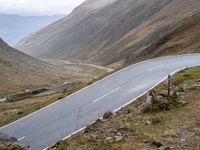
x=29 y=105
x=19 y=71
x=178 y=128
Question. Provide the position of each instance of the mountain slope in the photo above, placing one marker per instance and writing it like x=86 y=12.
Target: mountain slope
x=20 y=71
x=119 y=32
x=13 y=28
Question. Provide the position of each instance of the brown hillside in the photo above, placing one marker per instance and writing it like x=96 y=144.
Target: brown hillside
x=114 y=33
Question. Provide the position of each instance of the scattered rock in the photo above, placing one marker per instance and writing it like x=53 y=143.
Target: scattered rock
x=118 y=138
x=180 y=93
x=121 y=129
x=27 y=90
x=157 y=144
x=5 y=138
x=183 y=141
x=119 y=134
x=164 y=148
x=11 y=143
x=93 y=136
x=159 y=97
x=183 y=102
x=2 y=99
x=148 y=122
x=164 y=93
x=109 y=139
x=129 y=111
x=148 y=98
x=11 y=112
x=196 y=86
x=107 y=115
x=170 y=133
x=88 y=129
x=186 y=86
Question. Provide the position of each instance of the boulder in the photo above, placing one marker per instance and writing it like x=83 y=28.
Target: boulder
x=107 y=115
x=118 y=138
x=11 y=112
x=157 y=144
x=164 y=148
x=2 y=100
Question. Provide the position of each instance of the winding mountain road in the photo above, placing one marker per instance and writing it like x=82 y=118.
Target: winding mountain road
x=71 y=114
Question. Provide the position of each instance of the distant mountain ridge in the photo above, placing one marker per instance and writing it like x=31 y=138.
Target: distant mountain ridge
x=14 y=28
x=120 y=32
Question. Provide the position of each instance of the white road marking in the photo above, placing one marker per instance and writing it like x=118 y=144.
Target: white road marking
x=128 y=102
x=21 y=138
x=131 y=66
x=96 y=100
x=154 y=68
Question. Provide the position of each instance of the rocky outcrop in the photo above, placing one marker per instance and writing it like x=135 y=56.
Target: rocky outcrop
x=10 y=143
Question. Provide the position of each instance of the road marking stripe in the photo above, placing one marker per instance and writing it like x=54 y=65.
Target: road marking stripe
x=21 y=138
x=126 y=103
x=96 y=100
x=154 y=68
x=145 y=61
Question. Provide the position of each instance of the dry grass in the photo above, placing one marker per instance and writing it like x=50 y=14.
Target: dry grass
x=178 y=128
x=26 y=106
x=29 y=105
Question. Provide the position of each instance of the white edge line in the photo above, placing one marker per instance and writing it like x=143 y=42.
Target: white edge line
x=193 y=54
x=96 y=100
x=79 y=91
x=21 y=138
x=124 y=104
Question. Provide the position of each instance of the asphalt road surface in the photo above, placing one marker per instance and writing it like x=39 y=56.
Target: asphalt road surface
x=71 y=114
x=57 y=89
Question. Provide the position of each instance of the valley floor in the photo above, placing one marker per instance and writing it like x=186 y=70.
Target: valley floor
x=11 y=111
x=176 y=127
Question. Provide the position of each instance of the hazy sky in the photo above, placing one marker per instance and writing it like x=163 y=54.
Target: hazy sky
x=38 y=7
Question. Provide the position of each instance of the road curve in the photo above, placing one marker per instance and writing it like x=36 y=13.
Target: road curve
x=73 y=113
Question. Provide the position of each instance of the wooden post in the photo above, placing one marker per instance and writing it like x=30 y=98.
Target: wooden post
x=153 y=94
x=169 y=85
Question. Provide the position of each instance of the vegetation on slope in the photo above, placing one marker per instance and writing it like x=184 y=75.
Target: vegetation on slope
x=131 y=128
x=11 y=111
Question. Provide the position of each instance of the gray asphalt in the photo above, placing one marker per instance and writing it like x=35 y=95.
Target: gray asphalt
x=61 y=119
x=54 y=90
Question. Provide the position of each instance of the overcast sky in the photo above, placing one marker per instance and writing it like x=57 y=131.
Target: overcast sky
x=38 y=7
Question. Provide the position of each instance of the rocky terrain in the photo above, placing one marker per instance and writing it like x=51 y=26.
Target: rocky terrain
x=169 y=123
x=20 y=71
x=116 y=33
x=10 y=143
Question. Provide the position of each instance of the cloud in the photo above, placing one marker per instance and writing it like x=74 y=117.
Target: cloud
x=38 y=7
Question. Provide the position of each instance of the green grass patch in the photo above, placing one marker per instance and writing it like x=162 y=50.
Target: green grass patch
x=162 y=105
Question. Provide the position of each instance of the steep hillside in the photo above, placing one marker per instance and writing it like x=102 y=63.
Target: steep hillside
x=20 y=71
x=119 y=32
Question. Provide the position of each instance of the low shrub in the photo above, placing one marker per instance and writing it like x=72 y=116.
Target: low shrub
x=163 y=105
